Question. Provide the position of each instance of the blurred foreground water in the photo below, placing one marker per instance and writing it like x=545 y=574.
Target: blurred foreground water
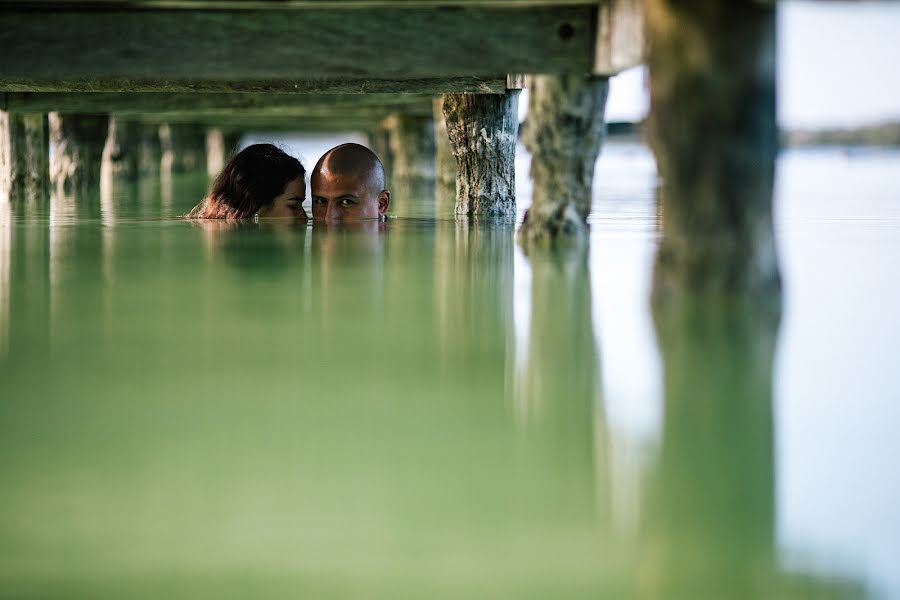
x=420 y=410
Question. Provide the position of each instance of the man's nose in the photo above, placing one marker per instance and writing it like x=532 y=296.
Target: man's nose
x=333 y=212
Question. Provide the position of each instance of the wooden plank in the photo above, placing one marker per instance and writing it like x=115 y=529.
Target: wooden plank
x=372 y=113
x=262 y=123
x=433 y=86
x=162 y=102
x=44 y=47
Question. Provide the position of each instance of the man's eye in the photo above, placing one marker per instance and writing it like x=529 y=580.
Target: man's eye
x=319 y=201
x=347 y=202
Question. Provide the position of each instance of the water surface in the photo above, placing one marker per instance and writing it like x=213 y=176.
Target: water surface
x=420 y=410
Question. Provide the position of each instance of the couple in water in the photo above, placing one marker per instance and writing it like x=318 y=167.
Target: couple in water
x=262 y=180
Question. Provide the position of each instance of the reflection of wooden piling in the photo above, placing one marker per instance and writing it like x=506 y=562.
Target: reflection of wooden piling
x=564 y=132
x=183 y=147
x=710 y=521
x=24 y=172
x=557 y=393
x=482 y=129
x=78 y=141
x=713 y=130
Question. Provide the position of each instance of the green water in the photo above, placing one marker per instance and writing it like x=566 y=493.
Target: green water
x=270 y=411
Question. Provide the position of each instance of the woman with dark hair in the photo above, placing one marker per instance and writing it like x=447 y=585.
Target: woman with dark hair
x=260 y=180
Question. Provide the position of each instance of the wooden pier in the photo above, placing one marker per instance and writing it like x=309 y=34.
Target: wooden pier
x=376 y=66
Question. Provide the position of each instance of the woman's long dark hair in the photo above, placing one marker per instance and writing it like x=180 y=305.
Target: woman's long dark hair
x=252 y=179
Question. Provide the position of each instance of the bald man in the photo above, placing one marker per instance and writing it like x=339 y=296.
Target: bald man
x=348 y=186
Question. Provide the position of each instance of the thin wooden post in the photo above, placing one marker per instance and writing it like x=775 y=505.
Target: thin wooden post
x=24 y=170
x=713 y=131
x=78 y=141
x=121 y=157
x=380 y=143
x=564 y=132
x=149 y=149
x=216 y=152
x=411 y=139
x=482 y=129
x=183 y=147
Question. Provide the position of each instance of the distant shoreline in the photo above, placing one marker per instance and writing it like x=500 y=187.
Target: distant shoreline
x=880 y=134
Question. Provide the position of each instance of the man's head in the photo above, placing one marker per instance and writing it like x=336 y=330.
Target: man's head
x=348 y=185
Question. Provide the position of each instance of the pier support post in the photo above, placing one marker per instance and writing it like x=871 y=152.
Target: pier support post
x=149 y=149
x=183 y=147
x=221 y=145
x=216 y=151
x=564 y=132
x=78 y=141
x=24 y=153
x=482 y=129
x=411 y=139
x=380 y=144
x=714 y=134
x=444 y=163
x=121 y=154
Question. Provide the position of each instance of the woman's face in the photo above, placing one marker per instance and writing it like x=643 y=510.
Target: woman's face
x=289 y=203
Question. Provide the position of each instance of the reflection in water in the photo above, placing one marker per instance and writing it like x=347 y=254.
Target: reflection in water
x=710 y=518
x=262 y=409
x=709 y=526
x=557 y=391
x=5 y=265
x=473 y=286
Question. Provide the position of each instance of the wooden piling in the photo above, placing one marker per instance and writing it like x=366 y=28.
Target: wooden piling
x=713 y=131
x=411 y=139
x=121 y=158
x=380 y=143
x=482 y=129
x=149 y=149
x=77 y=141
x=564 y=132
x=183 y=147
x=24 y=169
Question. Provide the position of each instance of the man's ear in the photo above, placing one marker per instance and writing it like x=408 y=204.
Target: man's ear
x=384 y=202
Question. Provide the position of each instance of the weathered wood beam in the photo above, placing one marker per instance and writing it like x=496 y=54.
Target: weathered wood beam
x=482 y=131
x=24 y=171
x=564 y=133
x=713 y=130
x=443 y=85
x=333 y=113
x=128 y=103
x=47 y=48
x=252 y=122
